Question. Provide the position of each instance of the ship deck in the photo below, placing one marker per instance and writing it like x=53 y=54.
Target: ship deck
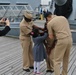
x=11 y=58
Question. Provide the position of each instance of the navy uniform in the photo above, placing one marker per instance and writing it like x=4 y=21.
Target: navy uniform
x=26 y=42
x=60 y=26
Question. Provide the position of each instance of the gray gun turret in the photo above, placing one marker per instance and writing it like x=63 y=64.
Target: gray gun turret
x=63 y=7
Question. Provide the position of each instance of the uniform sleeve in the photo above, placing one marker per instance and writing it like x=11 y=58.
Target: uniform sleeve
x=5 y=31
x=26 y=30
x=49 y=27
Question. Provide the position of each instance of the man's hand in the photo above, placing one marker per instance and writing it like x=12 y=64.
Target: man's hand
x=51 y=36
x=7 y=22
x=2 y=22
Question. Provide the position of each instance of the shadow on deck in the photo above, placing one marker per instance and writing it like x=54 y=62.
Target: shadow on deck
x=11 y=58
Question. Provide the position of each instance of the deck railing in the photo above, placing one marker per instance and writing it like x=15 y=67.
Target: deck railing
x=14 y=10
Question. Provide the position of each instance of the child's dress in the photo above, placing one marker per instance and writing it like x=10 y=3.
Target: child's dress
x=39 y=49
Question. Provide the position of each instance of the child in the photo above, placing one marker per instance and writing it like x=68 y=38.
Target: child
x=38 y=49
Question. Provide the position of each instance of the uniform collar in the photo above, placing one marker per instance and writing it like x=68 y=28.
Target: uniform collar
x=53 y=16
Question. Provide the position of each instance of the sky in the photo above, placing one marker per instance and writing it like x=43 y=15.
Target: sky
x=45 y=1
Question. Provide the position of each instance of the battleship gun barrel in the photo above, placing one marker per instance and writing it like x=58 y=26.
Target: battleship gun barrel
x=60 y=2
x=63 y=8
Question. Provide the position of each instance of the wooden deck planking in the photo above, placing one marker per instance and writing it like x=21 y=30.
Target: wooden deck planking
x=11 y=58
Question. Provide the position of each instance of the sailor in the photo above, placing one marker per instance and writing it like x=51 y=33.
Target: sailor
x=58 y=27
x=26 y=42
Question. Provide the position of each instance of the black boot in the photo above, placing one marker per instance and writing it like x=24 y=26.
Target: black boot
x=49 y=71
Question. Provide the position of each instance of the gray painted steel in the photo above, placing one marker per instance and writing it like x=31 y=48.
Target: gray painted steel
x=60 y=2
x=33 y=3
x=15 y=31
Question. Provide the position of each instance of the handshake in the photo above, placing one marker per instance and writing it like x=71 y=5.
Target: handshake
x=4 y=22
